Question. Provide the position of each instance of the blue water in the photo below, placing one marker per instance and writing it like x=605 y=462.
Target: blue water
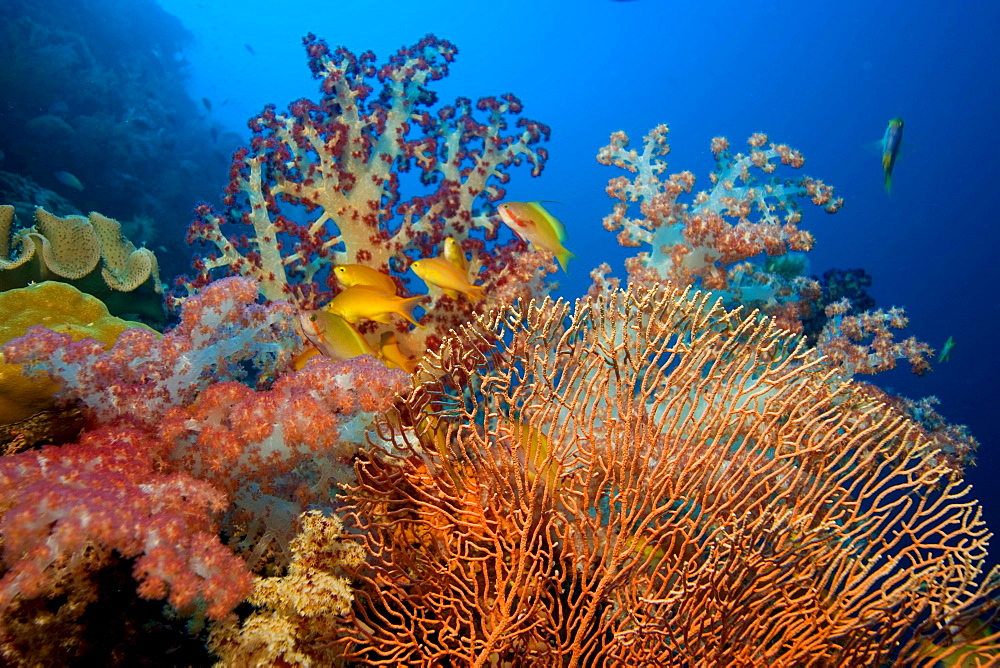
x=822 y=77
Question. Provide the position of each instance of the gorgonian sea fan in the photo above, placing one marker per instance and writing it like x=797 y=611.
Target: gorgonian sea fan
x=652 y=480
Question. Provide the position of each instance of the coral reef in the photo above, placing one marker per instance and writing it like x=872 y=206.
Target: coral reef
x=652 y=480
x=64 y=508
x=281 y=450
x=178 y=450
x=58 y=307
x=97 y=90
x=741 y=239
x=376 y=174
x=223 y=335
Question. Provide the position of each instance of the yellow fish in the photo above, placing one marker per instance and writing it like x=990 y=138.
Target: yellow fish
x=453 y=253
x=532 y=449
x=389 y=352
x=362 y=302
x=350 y=275
x=439 y=272
x=332 y=336
x=534 y=224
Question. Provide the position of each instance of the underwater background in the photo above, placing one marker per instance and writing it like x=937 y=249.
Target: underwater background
x=148 y=132
x=822 y=77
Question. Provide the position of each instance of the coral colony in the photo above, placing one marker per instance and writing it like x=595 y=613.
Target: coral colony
x=654 y=477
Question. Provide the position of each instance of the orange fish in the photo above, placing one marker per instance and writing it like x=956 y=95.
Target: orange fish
x=389 y=352
x=358 y=274
x=362 y=302
x=454 y=254
x=534 y=224
x=333 y=336
x=439 y=272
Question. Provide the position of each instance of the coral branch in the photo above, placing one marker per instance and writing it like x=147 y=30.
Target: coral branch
x=749 y=212
x=321 y=183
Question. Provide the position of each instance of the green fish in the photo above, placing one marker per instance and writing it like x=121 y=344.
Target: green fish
x=890 y=148
x=68 y=180
x=946 y=349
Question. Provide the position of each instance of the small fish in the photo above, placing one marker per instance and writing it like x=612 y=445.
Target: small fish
x=358 y=274
x=208 y=103
x=437 y=272
x=454 y=254
x=68 y=180
x=333 y=336
x=389 y=352
x=946 y=349
x=531 y=446
x=140 y=123
x=361 y=302
x=534 y=224
x=250 y=49
x=890 y=149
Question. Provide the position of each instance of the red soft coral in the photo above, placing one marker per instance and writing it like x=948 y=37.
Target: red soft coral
x=107 y=491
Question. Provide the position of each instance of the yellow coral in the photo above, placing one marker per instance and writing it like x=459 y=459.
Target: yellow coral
x=299 y=613
x=61 y=308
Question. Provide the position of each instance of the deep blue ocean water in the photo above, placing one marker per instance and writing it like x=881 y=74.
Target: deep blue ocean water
x=822 y=77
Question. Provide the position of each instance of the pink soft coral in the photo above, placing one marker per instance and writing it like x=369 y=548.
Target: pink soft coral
x=108 y=492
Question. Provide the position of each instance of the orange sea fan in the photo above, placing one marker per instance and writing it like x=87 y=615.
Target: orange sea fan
x=651 y=480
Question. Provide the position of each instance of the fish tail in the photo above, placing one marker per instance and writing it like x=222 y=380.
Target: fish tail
x=406 y=307
x=888 y=181
x=475 y=293
x=563 y=257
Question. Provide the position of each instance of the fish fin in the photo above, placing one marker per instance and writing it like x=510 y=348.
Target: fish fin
x=406 y=307
x=876 y=147
x=475 y=293
x=888 y=182
x=307 y=353
x=563 y=257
